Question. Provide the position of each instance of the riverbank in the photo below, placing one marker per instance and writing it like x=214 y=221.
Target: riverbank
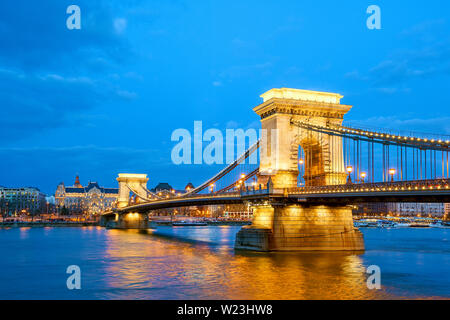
x=46 y=224
x=88 y=224
x=209 y=223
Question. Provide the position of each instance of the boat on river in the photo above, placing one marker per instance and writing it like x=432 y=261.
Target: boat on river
x=184 y=223
x=367 y=223
x=419 y=225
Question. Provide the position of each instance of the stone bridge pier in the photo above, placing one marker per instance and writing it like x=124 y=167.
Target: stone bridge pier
x=300 y=228
x=125 y=221
x=278 y=226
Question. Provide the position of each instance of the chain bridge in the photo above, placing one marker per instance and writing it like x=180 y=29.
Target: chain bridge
x=311 y=168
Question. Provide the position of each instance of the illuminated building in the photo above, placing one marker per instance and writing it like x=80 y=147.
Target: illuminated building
x=29 y=200
x=91 y=199
x=436 y=210
x=165 y=191
x=189 y=187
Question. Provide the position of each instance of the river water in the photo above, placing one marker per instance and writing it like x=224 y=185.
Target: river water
x=200 y=263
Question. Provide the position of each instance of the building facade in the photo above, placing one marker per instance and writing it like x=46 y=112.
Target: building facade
x=89 y=200
x=407 y=209
x=16 y=201
x=435 y=210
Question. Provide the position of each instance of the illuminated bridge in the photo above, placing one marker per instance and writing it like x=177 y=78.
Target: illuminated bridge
x=311 y=168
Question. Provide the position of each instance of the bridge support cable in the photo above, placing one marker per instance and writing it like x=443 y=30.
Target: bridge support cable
x=235 y=184
x=397 y=157
x=137 y=194
x=152 y=193
x=366 y=135
x=225 y=171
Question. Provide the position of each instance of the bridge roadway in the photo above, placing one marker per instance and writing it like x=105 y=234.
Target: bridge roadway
x=198 y=200
x=410 y=191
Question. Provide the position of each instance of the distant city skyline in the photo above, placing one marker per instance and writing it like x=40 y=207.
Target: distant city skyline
x=105 y=99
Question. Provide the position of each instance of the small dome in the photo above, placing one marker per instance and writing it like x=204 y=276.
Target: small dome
x=189 y=186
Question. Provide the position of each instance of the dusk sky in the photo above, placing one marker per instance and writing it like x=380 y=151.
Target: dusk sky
x=105 y=99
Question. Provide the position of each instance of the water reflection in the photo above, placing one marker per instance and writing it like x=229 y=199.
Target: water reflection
x=200 y=263
x=24 y=233
x=162 y=266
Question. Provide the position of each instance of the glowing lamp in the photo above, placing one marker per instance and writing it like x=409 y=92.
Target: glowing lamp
x=363 y=176
x=349 y=171
x=392 y=172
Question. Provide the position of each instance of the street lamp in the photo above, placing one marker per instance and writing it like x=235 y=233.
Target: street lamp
x=392 y=172
x=349 y=171
x=301 y=163
x=363 y=176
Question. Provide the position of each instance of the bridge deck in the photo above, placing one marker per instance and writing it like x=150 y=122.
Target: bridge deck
x=411 y=191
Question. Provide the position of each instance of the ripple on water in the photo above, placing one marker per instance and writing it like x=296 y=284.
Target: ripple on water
x=200 y=263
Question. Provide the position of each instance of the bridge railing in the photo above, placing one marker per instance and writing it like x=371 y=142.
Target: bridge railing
x=435 y=184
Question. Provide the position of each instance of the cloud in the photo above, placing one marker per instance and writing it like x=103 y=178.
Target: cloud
x=424 y=30
x=413 y=64
x=120 y=25
x=36 y=165
x=431 y=59
x=35 y=37
x=32 y=103
x=127 y=94
x=49 y=74
x=393 y=74
x=393 y=90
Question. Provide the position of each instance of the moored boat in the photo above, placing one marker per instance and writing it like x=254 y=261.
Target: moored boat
x=189 y=223
x=419 y=225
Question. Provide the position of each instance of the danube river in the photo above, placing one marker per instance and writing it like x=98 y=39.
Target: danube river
x=200 y=263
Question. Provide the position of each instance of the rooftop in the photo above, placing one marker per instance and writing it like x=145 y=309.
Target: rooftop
x=304 y=95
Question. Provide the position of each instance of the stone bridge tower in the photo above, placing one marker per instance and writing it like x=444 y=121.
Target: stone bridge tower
x=131 y=182
x=280 y=225
x=324 y=161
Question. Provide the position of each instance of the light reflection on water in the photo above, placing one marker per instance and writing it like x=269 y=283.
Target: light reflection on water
x=200 y=263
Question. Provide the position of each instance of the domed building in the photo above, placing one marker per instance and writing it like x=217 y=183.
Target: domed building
x=91 y=199
x=189 y=187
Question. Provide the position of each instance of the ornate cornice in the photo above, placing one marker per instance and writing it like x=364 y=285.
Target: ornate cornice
x=301 y=108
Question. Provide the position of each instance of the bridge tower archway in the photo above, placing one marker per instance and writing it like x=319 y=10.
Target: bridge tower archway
x=280 y=139
x=137 y=183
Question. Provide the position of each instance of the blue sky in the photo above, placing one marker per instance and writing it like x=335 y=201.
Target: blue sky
x=106 y=98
